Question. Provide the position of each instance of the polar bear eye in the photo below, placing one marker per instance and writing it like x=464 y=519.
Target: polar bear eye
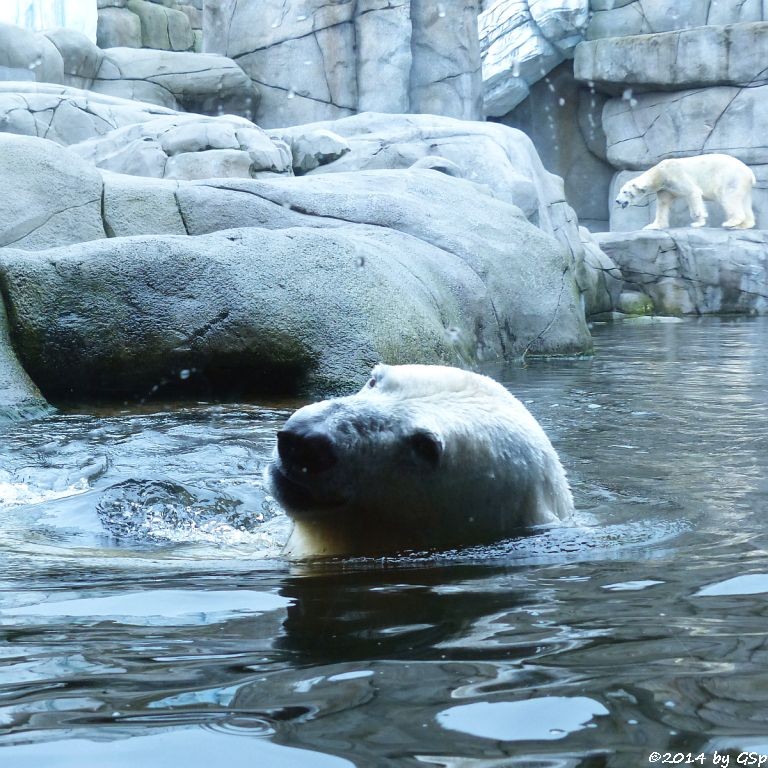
x=371 y=383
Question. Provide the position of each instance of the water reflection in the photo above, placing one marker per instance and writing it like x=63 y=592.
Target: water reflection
x=147 y=617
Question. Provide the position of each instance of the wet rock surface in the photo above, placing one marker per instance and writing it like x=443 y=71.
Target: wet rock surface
x=688 y=271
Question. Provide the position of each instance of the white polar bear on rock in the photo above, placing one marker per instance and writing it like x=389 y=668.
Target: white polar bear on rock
x=718 y=177
x=422 y=458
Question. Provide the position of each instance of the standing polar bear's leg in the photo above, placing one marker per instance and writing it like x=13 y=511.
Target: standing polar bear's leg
x=663 y=204
x=696 y=206
x=738 y=208
x=681 y=184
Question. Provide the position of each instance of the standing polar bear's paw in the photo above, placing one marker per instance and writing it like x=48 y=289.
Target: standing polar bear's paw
x=717 y=177
x=423 y=457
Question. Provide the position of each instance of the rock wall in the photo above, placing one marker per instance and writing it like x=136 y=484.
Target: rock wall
x=167 y=25
x=315 y=60
x=521 y=41
x=202 y=83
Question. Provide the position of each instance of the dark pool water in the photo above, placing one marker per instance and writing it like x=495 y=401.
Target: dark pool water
x=147 y=619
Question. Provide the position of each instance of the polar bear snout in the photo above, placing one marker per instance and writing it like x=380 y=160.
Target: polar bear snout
x=305 y=451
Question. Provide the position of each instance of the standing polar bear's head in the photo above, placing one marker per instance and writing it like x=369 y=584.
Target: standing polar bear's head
x=633 y=191
x=423 y=457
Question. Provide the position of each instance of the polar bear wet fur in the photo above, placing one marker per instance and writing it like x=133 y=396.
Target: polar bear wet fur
x=706 y=177
x=423 y=457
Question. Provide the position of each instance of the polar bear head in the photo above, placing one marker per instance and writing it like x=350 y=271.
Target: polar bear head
x=422 y=457
x=634 y=191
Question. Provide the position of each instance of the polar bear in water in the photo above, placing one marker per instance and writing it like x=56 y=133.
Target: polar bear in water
x=706 y=177
x=423 y=457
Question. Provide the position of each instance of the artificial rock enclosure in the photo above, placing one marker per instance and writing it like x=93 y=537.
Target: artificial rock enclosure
x=264 y=195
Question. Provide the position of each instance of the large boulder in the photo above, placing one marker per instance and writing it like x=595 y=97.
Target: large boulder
x=196 y=82
x=48 y=197
x=309 y=308
x=67 y=115
x=188 y=147
x=315 y=60
x=118 y=28
x=694 y=271
x=163 y=27
x=333 y=274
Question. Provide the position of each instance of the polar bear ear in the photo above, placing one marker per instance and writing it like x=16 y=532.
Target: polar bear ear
x=427 y=446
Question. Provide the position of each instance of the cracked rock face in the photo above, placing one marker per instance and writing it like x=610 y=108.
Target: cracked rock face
x=204 y=83
x=49 y=196
x=195 y=82
x=702 y=57
x=160 y=24
x=620 y=18
x=315 y=60
x=653 y=126
x=333 y=273
x=67 y=115
x=687 y=271
x=188 y=147
x=521 y=41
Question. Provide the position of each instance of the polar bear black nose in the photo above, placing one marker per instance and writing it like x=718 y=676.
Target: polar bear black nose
x=307 y=452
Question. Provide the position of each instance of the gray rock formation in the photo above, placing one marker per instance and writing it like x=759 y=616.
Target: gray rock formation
x=67 y=115
x=19 y=397
x=501 y=158
x=160 y=24
x=650 y=127
x=49 y=196
x=195 y=82
x=257 y=310
x=204 y=83
x=81 y=59
x=26 y=55
x=690 y=58
x=598 y=277
x=334 y=273
x=312 y=148
x=315 y=60
x=687 y=271
x=188 y=147
x=621 y=18
x=521 y=41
